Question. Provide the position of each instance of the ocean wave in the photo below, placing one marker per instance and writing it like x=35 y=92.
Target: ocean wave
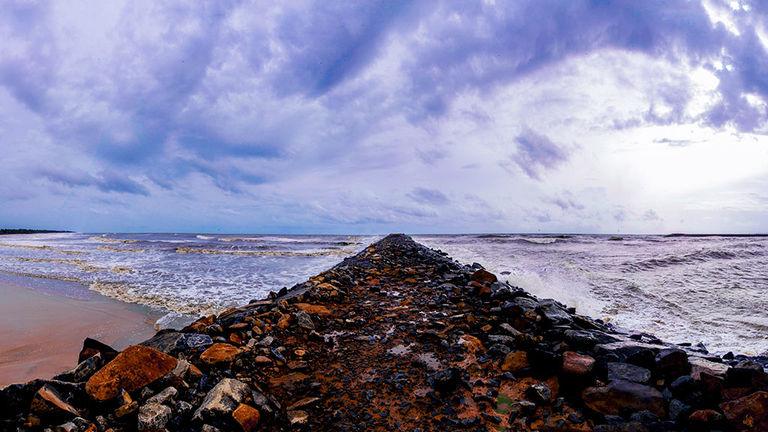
x=286 y=240
x=697 y=257
x=26 y=246
x=104 y=239
x=81 y=264
x=205 y=237
x=117 y=249
x=208 y=251
x=130 y=294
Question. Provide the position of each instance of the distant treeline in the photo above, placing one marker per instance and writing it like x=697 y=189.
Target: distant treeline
x=7 y=231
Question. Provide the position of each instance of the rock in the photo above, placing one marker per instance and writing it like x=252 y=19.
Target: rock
x=554 y=313
x=313 y=309
x=706 y=419
x=84 y=370
x=132 y=369
x=539 y=393
x=219 y=353
x=297 y=417
x=91 y=347
x=515 y=361
x=173 y=342
x=126 y=409
x=621 y=397
x=628 y=372
x=153 y=417
x=49 y=405
x=304 y=321
x=746 y=373
x=699 y=365
x=483 y=276
x=678 y=409
x=749 y=413
x=164 y=397
x=247 y=417
x=577 y=365
x=471 y=344
x=446 y=380
x=222 y=399
x=672 y=362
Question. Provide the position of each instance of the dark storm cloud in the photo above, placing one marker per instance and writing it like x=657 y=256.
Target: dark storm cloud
x=104 y=181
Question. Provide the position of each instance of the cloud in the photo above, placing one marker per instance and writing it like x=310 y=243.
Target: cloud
x=651 y=216
x=537 y=153
x=429 y=196
x=104 y=181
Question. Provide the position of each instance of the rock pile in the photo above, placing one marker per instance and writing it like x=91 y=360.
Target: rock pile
x=398 y=337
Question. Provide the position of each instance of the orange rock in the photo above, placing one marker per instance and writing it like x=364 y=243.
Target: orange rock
x=515 y=361
x=219 y=353
x=284 y=322
x=132 y=369
x=313 y=309
x=247 y=417
x=235 y=339
x=471 y=343
x=748 y=413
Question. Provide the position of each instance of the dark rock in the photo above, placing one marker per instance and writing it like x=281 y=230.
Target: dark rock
x=678 y=409
x=447 y=380
x=91 y=347
x=746 y=373
x=554 y=313
x=173 y=342
x=628 y=372
x=622 y=397
x=539 y=393
x=672 y=363
x=153 y=417
x=48 y=404
x=706 y=419
x=84 y=370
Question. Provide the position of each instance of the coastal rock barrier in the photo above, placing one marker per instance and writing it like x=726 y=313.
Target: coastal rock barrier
x=398 y=337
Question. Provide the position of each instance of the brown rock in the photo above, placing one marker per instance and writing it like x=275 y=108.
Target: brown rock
x=132 y=369
x=515 y=361
x=262 y=360
x=705 y=419
x=284 y=322
x=749 y=413
x=219 y=353
x=621 y=397
x=576 y=364
x=471 y=343
x=48 y=404
x=313 y=309
x=484 y=276
x=247 y=417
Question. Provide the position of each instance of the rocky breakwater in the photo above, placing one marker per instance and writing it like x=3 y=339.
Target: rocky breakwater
x=398 y=337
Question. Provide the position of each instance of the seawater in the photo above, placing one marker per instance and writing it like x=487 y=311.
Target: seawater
x=682 y=289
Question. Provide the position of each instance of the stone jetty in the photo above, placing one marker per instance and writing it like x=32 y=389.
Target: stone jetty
x=397 y=338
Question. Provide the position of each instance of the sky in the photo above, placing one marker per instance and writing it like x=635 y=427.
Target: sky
x=579 y=116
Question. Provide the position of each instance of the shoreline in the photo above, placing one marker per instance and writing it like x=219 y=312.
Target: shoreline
x=43 y=322
x=398 y=337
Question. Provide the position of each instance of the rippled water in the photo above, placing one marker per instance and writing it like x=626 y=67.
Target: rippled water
x=683 y=289
x=185 y=273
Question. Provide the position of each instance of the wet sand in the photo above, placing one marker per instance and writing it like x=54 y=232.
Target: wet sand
x=43 y=323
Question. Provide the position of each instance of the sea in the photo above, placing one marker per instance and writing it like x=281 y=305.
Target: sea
x=708 y=289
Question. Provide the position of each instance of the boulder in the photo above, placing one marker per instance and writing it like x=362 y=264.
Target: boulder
x=483 y=276
x=219 y=353
x=247 y=417
x=577 y=365
x=622 y=397
x=84 y=370
x=628 y=372
x=164 y=397
x=132 y=369
x=313 y=309
x=554 y=313
x=48 y=404
x=706 y=419
x=174 y=342
x=515 y=361
x=153 y=417
x=672 y=363
x=699 y=365
x=222 y=400
x=749 y=413
x=91 y=347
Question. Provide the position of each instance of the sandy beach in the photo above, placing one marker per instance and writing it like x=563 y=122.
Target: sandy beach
x=43 y=323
